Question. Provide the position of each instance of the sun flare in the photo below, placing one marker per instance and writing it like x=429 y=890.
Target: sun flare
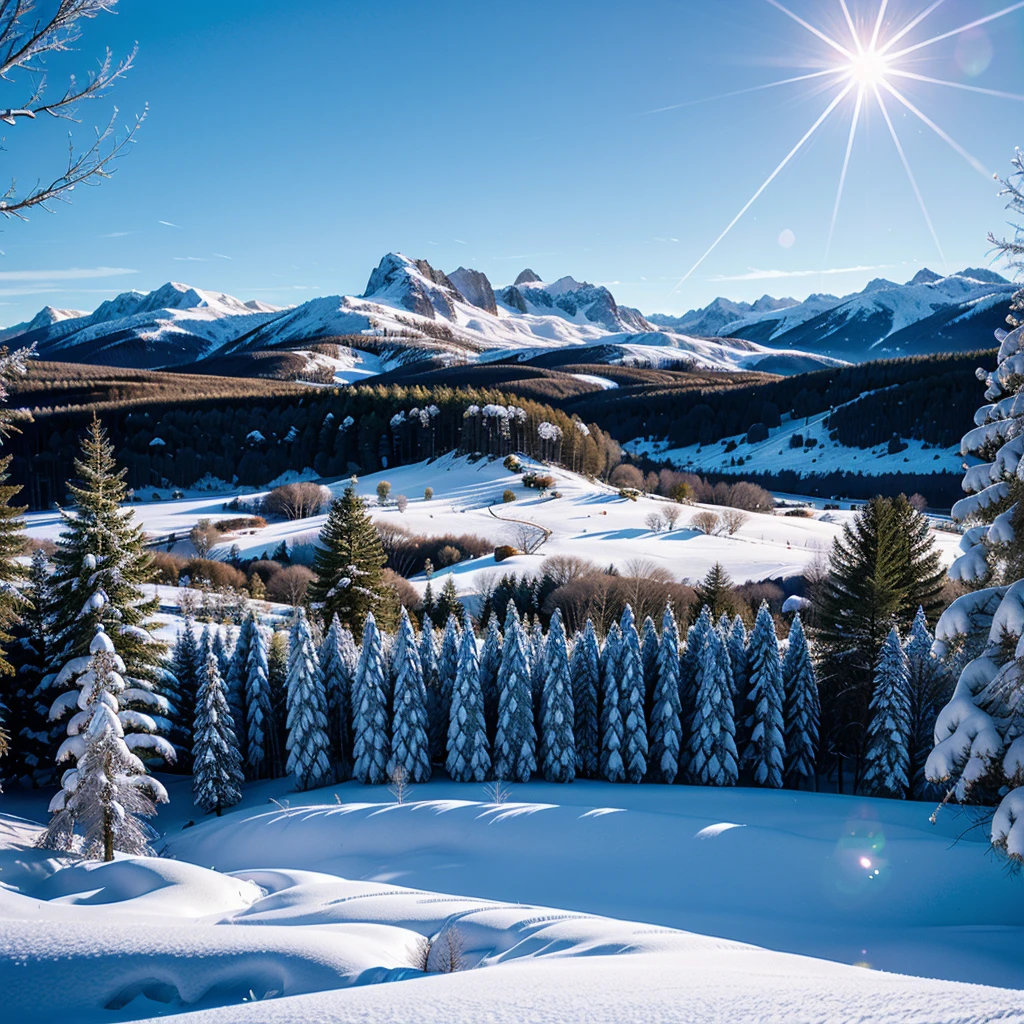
x=868 y=69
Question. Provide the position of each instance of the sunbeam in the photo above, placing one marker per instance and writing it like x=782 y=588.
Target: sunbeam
x=771 y=177
x=869 y=66
x=910 y=175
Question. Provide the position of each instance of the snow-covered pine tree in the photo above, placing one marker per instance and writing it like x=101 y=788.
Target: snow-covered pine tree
x=236 y=677
x=447 y=667
x=469 y=759
x=585 y=669
x=610 y=760
x=216 y=760
x=99 y=566
x=712 y=757
x=309 y=750
x=800 y=686
x=222 y=650
x=448 y=603
x=765 y=754
x=649 y=649
x=666 y=729
x=370 y=744
x=490 y=663
x=535 y=656
x=739 y=662
x=186 y=667
x=108 y=791
x=689 y=668
x=979 y=734
x=557 y=753
x=338 y=660
x=410 y=742
x=930 y=688
x=632 y=692
x=29 y=722
x=887 y=767
x=515 y=740
x=349 y=566
x=263 y=753
x=436 y=723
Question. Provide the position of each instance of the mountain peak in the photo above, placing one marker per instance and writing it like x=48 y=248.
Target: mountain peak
x=924 y=276
x=413 y=285
x=527 y=277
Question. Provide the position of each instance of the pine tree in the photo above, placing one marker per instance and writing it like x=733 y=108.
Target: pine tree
x=221 y=650
x=612 y=731
x=447 y=667
x=263 y=754
x=309 y=750
x=929 y=684
x=557 y=742
x=99 y=566
x=535 y=659
x=649 y=651
x=889 y=733
x=490 y=663
x=217 y=763
x=236 y=678
x=739 y=663
x=277 y=675
x=689 y=668
x=108 y=791
x=715 y=592
x=410 y=742
x=666 y=728
x=338 y=659
x=765 y=754
x=349 y=566
x=631 y=697
x=712 y=759
x=448 y=604
x=802 y=712
x=881 y=568
x=370 y=746
x=436 y=722
x=12 y=572
x=515 y=740
x=186 y=668
x=469 y=759
x=585 y=669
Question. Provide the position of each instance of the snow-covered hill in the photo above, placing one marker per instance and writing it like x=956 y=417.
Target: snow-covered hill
x=929 y=313
x=406 y=299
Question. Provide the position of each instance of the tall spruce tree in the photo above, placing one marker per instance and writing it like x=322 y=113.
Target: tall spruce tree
x=370 y=743
x=107 y=793
x=649 y=648
x=263 y=754
x=802 y=710
x=99 y=566
x=715 y=592
x=712 y=757
x=881 y=568
x=217 y=763
x=557 y=743
x=490 y=663
x=309 y=751
x=448 y=603
x=515 y=740
x=236 y=677
x=349 y=566
x=447 y=667
x=186 y=667
x=610 y=708
x=739 y=662
x=689 y=669
x=469 y=759
x=890 y=731
x=436 y=722
x=585 y=669
x=765 y=754
x=338 y=659
x=410 y=742
x=666 y=727
x=930 y=688
x=632 y=690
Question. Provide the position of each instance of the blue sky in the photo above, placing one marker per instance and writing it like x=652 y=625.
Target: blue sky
x=288 y=148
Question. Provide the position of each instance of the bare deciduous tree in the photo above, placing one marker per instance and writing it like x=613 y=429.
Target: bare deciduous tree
x=289 y=585
x=732 y=520
x=297 y=501
x=528 y=537
x=26 y=42
x=705 y=521
x=401 y=502
x=654 y=522
x=671 y=513
x=399 y=787
x=446 y=951
x=564 y=569
x=203 y=536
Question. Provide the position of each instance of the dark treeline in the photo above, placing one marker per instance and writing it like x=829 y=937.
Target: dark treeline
x=931 y=400
x=252 y=439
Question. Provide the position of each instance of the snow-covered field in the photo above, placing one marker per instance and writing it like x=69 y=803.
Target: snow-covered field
x=316 y=905
x=589 y=520
x=775 y=454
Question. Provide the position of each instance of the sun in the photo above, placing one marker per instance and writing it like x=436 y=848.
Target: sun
x=866 y=67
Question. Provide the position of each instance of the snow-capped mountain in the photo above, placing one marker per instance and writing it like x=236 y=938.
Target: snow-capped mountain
x=419 y=305
x=929 y=313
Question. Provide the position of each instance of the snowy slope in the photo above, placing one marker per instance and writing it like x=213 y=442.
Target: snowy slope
x=315 y=907
x=589 y=520
x=407 y=299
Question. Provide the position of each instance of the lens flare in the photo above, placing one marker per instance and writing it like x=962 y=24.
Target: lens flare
x=860 y=69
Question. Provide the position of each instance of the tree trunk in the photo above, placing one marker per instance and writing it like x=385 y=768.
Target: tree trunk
x=108 y=837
